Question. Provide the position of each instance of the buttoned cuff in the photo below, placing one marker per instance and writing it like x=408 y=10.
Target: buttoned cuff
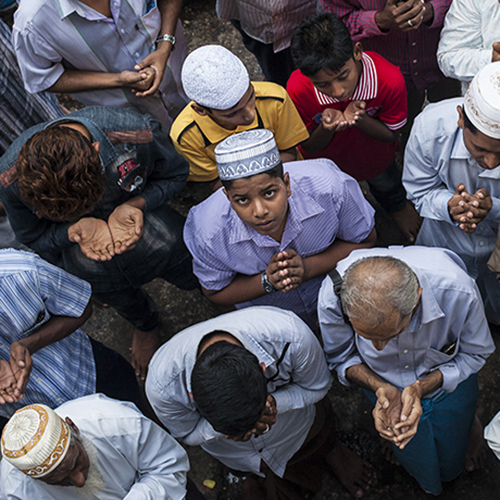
x=342 y=369
x=451 y=376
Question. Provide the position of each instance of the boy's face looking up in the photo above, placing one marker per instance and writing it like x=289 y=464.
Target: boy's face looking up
x=241 y=114
x=340 y=84
x=261 y=202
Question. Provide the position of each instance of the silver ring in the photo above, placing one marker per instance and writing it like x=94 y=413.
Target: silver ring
x=267 y=429
x=271 y=411
x=410 y=23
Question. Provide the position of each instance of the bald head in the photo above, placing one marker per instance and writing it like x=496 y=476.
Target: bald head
x=375 y=288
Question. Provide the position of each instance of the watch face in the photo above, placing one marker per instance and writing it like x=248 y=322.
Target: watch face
x=266 y=284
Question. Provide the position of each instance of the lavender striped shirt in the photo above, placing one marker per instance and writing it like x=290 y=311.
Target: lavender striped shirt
x=31 y=292
x=325 y=204
x=414 y=51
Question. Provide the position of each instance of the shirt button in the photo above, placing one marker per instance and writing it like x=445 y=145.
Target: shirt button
x=122 y=31
x=405 y=351
x=416 y=73
x=58 y=400
x=2 y=346
x=481 y=243
x=407 y=366
x=137 y=54
x=414 y=61
x=413 y=44
x=38 y=379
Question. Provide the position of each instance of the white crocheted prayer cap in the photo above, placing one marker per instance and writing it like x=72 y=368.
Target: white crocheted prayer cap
x=35 y=440
x=482 y=100
x=248 y=153
x=212 y=76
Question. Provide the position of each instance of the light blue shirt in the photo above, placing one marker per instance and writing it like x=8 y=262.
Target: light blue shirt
x=51 y=36
x=138 y=459
x=31 y=292
x=326 y=204
x=470 y=29
x=450 y=311
x=303 y=380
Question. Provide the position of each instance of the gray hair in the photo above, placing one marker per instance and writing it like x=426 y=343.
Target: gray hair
x=374 y=287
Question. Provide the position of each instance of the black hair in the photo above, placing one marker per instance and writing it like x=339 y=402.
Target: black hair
x=275 y=172
x=467 y=123
x=321 y=42
x=229 y=388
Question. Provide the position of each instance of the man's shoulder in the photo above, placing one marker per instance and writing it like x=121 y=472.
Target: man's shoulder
x=215 y=208
x=16 y=262
x=439 y=119
x=35 y=13
x=390 y=79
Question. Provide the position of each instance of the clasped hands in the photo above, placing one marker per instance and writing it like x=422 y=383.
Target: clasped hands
x=100 y=240
x=336 y=120
x=14 y=374
x=404 y=15
x=286 y=270
x=468 y=210
x=396 y=415
x=264 y=424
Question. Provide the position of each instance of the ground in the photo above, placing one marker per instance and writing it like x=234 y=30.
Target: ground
x=180 y=309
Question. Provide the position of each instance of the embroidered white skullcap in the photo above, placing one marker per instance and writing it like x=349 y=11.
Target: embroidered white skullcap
x=247 y=153
x=35 y=440
x=212 y=76
x=482 y=100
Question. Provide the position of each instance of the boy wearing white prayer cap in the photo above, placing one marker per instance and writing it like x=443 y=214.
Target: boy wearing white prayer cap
x=452 y=175
x=270 y=236
x=225 y=102
x=94 y=448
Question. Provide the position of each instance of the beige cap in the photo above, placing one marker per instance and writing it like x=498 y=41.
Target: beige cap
x=35 y=440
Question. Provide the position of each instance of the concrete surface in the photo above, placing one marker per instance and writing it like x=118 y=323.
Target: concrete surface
x=180 y=309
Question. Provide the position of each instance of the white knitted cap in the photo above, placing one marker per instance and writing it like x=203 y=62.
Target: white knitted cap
x=482 y=100
x=212 y=76
x=35 y=440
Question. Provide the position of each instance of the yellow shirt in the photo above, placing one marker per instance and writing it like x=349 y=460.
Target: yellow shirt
x=195 y=136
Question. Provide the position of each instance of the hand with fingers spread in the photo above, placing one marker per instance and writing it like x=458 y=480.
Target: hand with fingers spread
x=93 y=237
x=21 y=364
x=126 y=226
x=410 y=414
x=333 y=120
x=8 y=383
x=403 y=16
x=387 y=412
x=355 y=112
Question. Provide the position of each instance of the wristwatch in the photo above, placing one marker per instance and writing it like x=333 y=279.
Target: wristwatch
x=266 y=284
x=166 y=38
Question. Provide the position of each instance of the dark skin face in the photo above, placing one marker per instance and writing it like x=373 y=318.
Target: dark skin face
x=340 y=84
x=74 y=468
x=242 y=114
x=261 y=202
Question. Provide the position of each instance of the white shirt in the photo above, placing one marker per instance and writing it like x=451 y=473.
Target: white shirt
x=492 y=434
x=137 y=458
x=470 y=28
x=450 y=311
x=304 y=379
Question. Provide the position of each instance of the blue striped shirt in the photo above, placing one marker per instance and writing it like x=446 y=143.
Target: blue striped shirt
x=31 y=292
x=326 y=204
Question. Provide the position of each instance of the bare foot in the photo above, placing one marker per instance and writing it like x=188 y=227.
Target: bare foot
x=351 y=470
x=388 y=452
x=476 y=452
x=408 y=221
x=144 y=345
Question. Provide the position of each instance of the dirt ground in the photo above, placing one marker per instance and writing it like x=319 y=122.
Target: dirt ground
x=180 y=309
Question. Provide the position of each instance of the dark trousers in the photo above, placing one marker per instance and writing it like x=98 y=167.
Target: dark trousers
x=387 y=188
x=276 y=66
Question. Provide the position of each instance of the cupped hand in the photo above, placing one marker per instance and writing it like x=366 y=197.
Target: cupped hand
x=93 y=237
x=126 y=225
x=21 y=364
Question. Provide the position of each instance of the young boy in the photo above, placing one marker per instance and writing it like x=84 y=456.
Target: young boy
x=274 y=229
x=353 y=104
x=224 y=102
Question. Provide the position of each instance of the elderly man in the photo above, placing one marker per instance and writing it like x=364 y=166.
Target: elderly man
x=94 y=448
x=88 y=192
x=451 y=174
x=409 y=327
x=251 y=388
x=109 y=53
x=470 y=39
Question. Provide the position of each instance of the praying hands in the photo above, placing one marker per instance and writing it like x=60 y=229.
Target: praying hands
x=468 y=210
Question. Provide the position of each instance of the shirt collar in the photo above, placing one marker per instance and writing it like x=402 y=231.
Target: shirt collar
x=301 y=206
x=70 y=6
x=367 y=87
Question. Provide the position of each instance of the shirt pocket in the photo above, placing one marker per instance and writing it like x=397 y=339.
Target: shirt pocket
x=435 y=358
x=151 y=19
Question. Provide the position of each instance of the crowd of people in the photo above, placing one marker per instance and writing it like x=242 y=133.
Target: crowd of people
x=404 y=95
